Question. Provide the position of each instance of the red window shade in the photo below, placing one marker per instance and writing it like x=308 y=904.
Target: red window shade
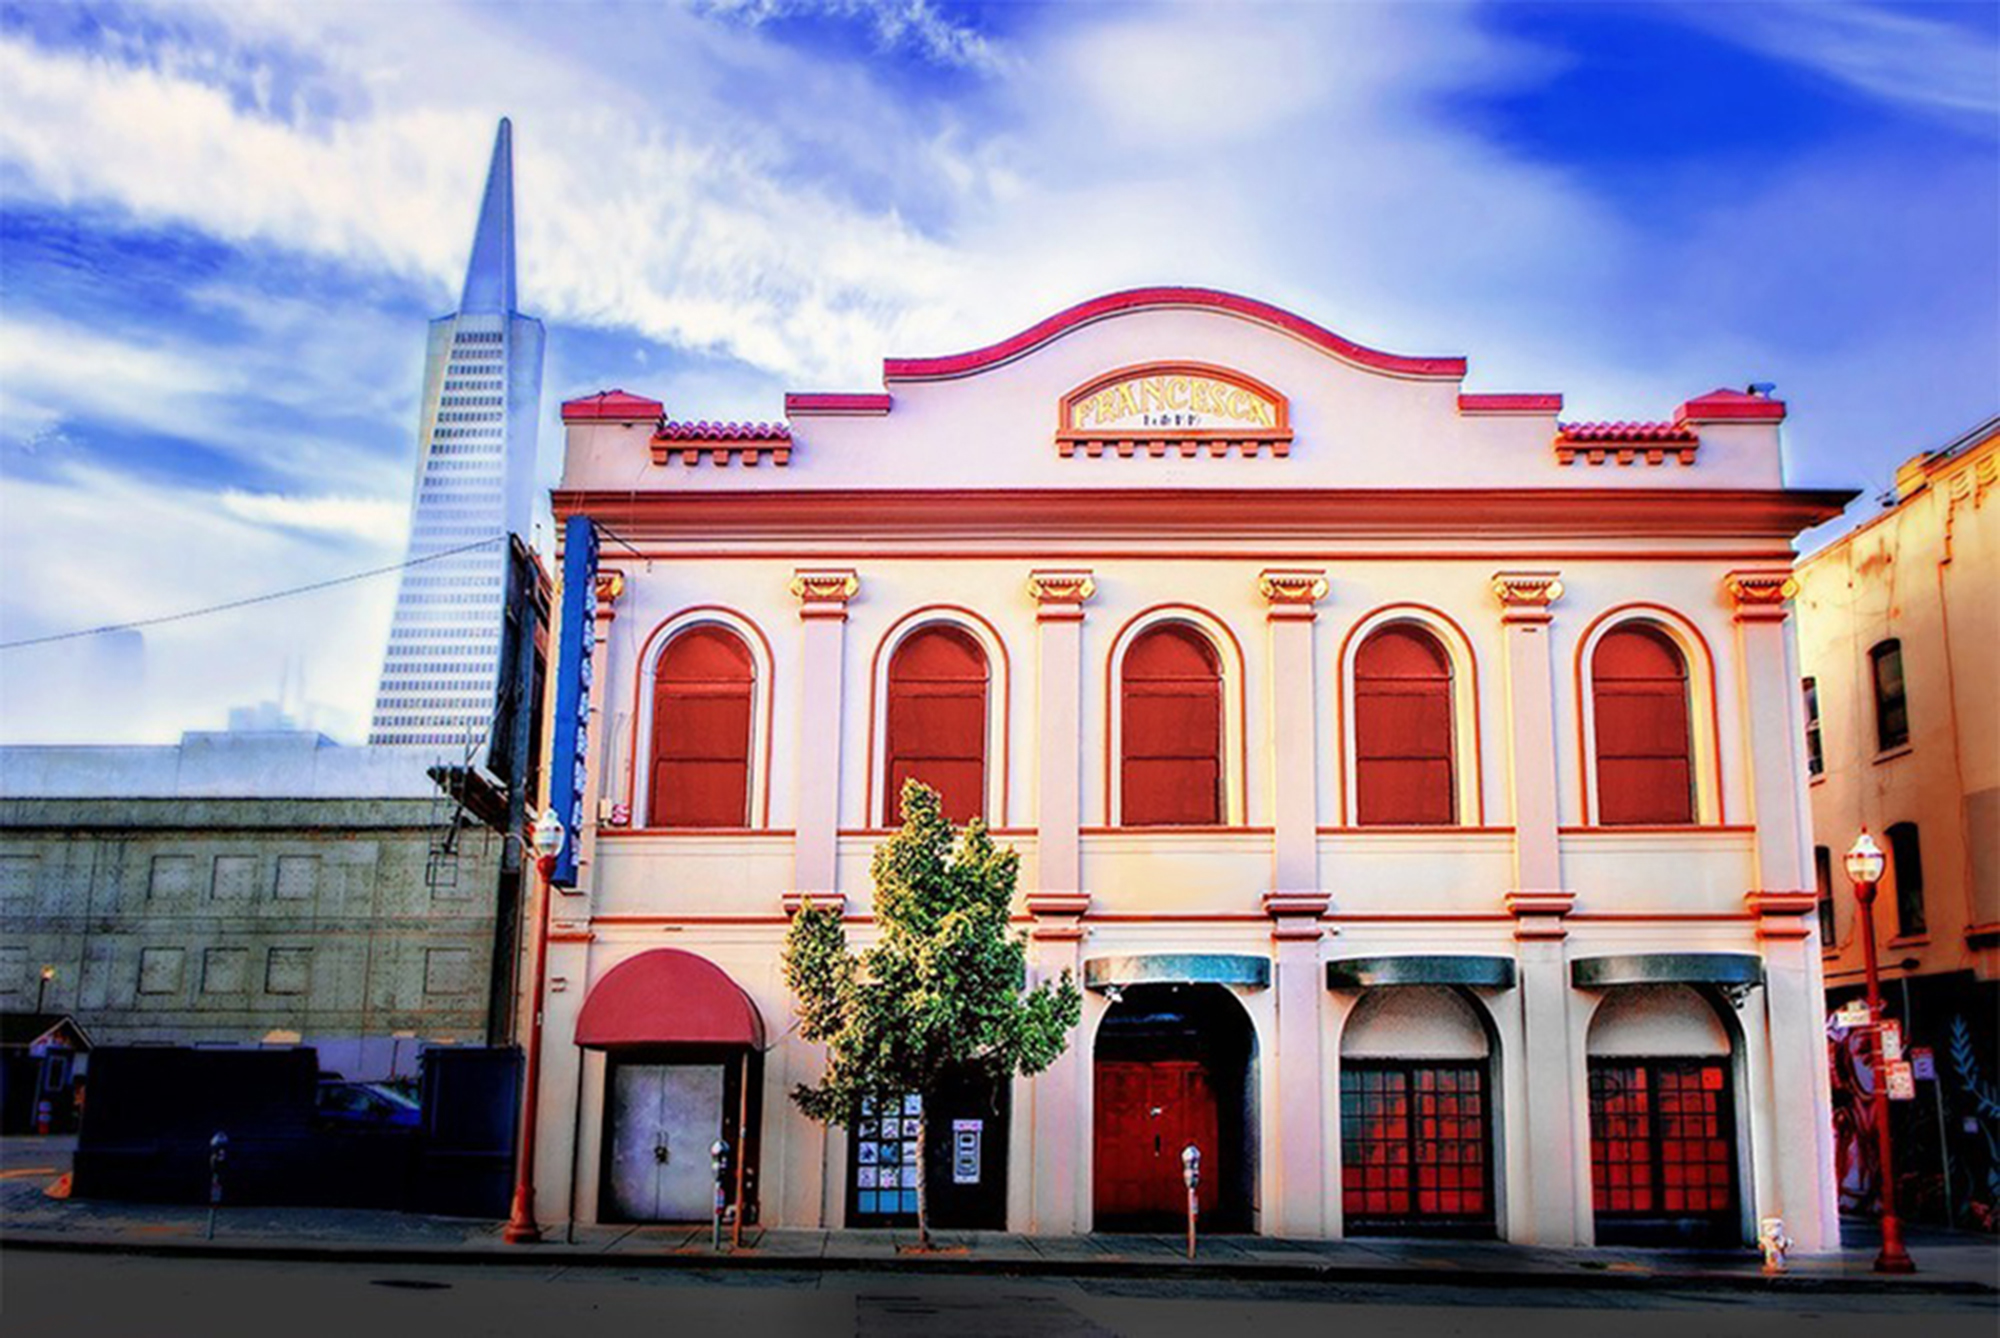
x=937 y=722
x=1645 y=771
x=701 y=731
x=1402 y=729
x=1171 y=733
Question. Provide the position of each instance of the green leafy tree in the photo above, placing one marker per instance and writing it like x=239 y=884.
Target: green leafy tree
x=942 y=991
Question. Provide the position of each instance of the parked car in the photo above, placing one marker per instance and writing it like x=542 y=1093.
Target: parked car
x=366 y=1105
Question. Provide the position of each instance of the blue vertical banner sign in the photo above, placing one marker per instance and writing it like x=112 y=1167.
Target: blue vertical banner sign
x=577 y=642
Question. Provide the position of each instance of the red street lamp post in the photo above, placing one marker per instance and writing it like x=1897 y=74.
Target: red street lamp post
x=521 y=1228
x=1865 y=863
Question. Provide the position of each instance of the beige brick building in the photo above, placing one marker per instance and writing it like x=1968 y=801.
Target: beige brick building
x=1899 y=623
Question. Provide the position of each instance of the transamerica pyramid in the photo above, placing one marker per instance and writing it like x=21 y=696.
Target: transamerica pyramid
x=474 y=486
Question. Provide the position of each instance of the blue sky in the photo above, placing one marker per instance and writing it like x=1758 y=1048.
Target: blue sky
x=223 y=225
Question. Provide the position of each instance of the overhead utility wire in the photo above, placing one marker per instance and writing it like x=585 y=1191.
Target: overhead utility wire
x=253 y=599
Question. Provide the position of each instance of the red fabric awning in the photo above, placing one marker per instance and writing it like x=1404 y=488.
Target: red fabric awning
x=668 y=997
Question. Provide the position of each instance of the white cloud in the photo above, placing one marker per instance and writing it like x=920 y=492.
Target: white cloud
x=373 y=520
x=916 y=24
x=126 y=550
x=1889 y=53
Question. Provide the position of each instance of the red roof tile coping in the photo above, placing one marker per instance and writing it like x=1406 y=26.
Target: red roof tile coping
x=706 y=431
x=1624 y=432
x=835 y=403
x=1521 y=404
x=1141 y=299
x=611 y=406
x=1731 y=406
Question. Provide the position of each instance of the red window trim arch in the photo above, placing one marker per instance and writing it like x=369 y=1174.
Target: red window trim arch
x=935 y=721
x=702 y=728
x=1642 y=727
x=1405 y=726
x=1171 y=731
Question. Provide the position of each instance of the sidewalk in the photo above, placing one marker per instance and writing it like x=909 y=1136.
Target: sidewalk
x=1950 y=1262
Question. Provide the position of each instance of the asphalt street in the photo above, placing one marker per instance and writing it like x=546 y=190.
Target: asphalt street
x=80 y=1294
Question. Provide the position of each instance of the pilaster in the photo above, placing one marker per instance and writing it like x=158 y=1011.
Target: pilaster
x=823 y=594
x=1059 y=599
x=1058 y=1200
x=1539 y=904
x=1785 y=902
x=1290 y=596
x=568 y=965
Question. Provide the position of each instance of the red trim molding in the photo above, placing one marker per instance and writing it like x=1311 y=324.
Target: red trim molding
x=1533 y=406
x=612 y=406
x=1731 y=406
x=835 y=404
x=1142 y=299
x=1104 y=514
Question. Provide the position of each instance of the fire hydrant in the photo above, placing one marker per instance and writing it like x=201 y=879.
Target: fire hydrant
x=1773 y=1241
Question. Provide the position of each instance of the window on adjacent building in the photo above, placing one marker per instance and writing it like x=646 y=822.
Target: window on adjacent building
x=1892 y=709
x=937 y=722
x=1823 y=881
x=1171 y=730
x=1402 y=729
x=1815 y=750
x=1645 y=768
x=1906 y=867
x=701 y=731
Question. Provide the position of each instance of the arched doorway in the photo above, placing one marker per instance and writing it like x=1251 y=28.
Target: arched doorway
x=1665 y=1155
x=684 y=1046
x=1174 y=1064
x=1416 y=1114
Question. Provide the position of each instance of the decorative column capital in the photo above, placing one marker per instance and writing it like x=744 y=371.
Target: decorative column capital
x=1295 y=915
x=823 y=592
x=609 y=587
x=1058 y=916
x=795 y=901
x=1291 y=592
x=1539 y=915
x=1782 y=914
x=1060 y=594
x=1526 y=596
x=1760 y=596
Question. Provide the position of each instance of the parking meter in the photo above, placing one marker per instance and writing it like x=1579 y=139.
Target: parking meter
x=1191 y=1173
x=718 y=1162
x=218 y=1153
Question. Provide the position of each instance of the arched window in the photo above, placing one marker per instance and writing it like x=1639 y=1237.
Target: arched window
x=1171 y=730
x=702 y=692
x=937 y=721
x=1645 y=768
x=1402 y=729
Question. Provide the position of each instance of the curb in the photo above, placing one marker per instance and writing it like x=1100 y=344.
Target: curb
x=1330 y=1274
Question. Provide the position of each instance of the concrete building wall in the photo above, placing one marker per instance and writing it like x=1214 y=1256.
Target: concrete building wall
x=238 y=919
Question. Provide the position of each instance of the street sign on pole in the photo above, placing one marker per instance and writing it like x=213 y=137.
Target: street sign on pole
x=1902 y=1084
x=1923 y=1063
x=1852 y=1014
x=1892 y=1040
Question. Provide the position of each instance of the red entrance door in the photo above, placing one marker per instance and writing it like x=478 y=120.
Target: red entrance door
x=1146 y=1113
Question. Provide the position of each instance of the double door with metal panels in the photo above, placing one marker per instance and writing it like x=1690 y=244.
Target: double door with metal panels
x=664 y=1117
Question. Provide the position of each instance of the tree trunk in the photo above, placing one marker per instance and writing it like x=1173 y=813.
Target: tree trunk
x=923 y=1178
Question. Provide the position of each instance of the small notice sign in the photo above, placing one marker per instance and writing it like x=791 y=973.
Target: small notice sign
x=1923 y=1063
x=1902 y=1083
x=1852 y=1014
x=965 y=1139
x=1892 y=1040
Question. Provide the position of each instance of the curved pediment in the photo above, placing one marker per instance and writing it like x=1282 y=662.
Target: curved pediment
x=1153 y=299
